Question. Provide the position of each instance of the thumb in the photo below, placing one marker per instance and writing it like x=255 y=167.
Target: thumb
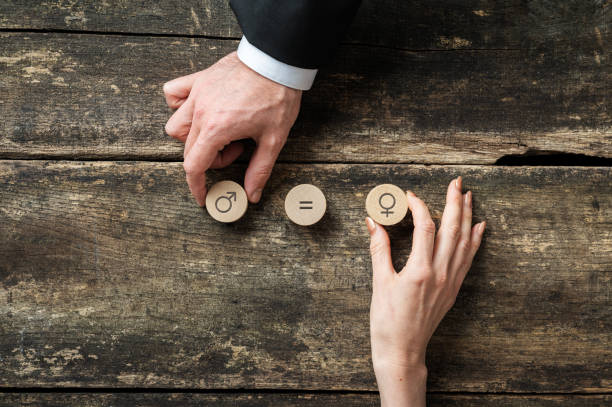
x=380 y=249
x=177 y=90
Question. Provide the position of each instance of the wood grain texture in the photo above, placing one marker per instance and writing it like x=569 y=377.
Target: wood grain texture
x=111 y=276
x=287 y=399
x=96 y=96
x=406 y=24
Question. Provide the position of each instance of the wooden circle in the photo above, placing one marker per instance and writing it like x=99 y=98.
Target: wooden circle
x=305 y=204
x=226 y=201
x=387 y=204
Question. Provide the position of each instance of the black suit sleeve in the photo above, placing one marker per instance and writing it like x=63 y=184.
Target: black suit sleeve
x=302 y=33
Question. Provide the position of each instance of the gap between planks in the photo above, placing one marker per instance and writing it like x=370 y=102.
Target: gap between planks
x=220 y=38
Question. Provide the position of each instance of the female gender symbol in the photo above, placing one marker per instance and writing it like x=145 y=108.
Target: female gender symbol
x=386 y=211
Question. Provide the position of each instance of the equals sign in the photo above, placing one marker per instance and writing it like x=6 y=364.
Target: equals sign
x=309 y=203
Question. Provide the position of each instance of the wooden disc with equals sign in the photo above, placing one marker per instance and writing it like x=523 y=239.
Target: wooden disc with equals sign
x=305 y=204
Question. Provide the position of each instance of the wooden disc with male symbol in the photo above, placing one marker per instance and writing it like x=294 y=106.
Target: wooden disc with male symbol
x=305 y=204
x=226 y=201
x=387 y=204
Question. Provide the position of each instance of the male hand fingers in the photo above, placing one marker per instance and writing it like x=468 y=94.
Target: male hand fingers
x=197 y=161
x=424 y=230
x=197 y=123
x=177 y=90
x=193 y=135
x=261 y=165
x=228 y=155
x=380 y=250
x=179 y=124
x=450 y=227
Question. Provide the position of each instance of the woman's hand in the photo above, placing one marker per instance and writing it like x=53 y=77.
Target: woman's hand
x=407 y=306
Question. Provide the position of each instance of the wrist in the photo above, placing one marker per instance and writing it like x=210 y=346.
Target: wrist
x=277 y=71
x=400 y=370
x=401 y=385
x=389 y=357
x=271 y=83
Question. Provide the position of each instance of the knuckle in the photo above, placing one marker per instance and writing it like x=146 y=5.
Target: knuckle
x=428 y=226
x=464 y=246
x=418 y=202
x=264 y=171
x=453 y=231
x=198 y=114
x=442 y=279
x=420 y=275
x=211 y=133
x=170 y=128
x=188 y=167
x=418 y=279
x=453 y=198
x=210 y=127
x=273 y=142
x=376 y=247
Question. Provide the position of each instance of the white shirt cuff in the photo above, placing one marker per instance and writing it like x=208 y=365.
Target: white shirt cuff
x=273 y=69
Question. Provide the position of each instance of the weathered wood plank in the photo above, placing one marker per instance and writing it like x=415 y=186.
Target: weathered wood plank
x=111 y=276
x=287 y=399
x=412 y=24
x=100 y=96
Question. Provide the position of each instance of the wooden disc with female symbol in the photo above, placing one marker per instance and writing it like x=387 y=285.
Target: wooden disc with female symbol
x=387 y=204
x=226 y=201
x=305 y=204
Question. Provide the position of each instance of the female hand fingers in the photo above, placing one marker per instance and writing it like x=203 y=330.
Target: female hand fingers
x=464 y=244
x=475 y=240
x=380 y=250
x=424 y=231
x=450 y=227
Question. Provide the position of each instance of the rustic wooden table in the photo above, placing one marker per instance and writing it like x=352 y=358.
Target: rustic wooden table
x=116 y=289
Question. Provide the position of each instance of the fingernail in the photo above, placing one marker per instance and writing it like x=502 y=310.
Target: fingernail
x=409 y=192
x=458 y=183
x=256 y=195
x=481 y=227
x=371 y=225
x=468 y=199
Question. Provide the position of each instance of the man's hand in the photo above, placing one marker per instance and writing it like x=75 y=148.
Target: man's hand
x=223 y=104
x=407 y=307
